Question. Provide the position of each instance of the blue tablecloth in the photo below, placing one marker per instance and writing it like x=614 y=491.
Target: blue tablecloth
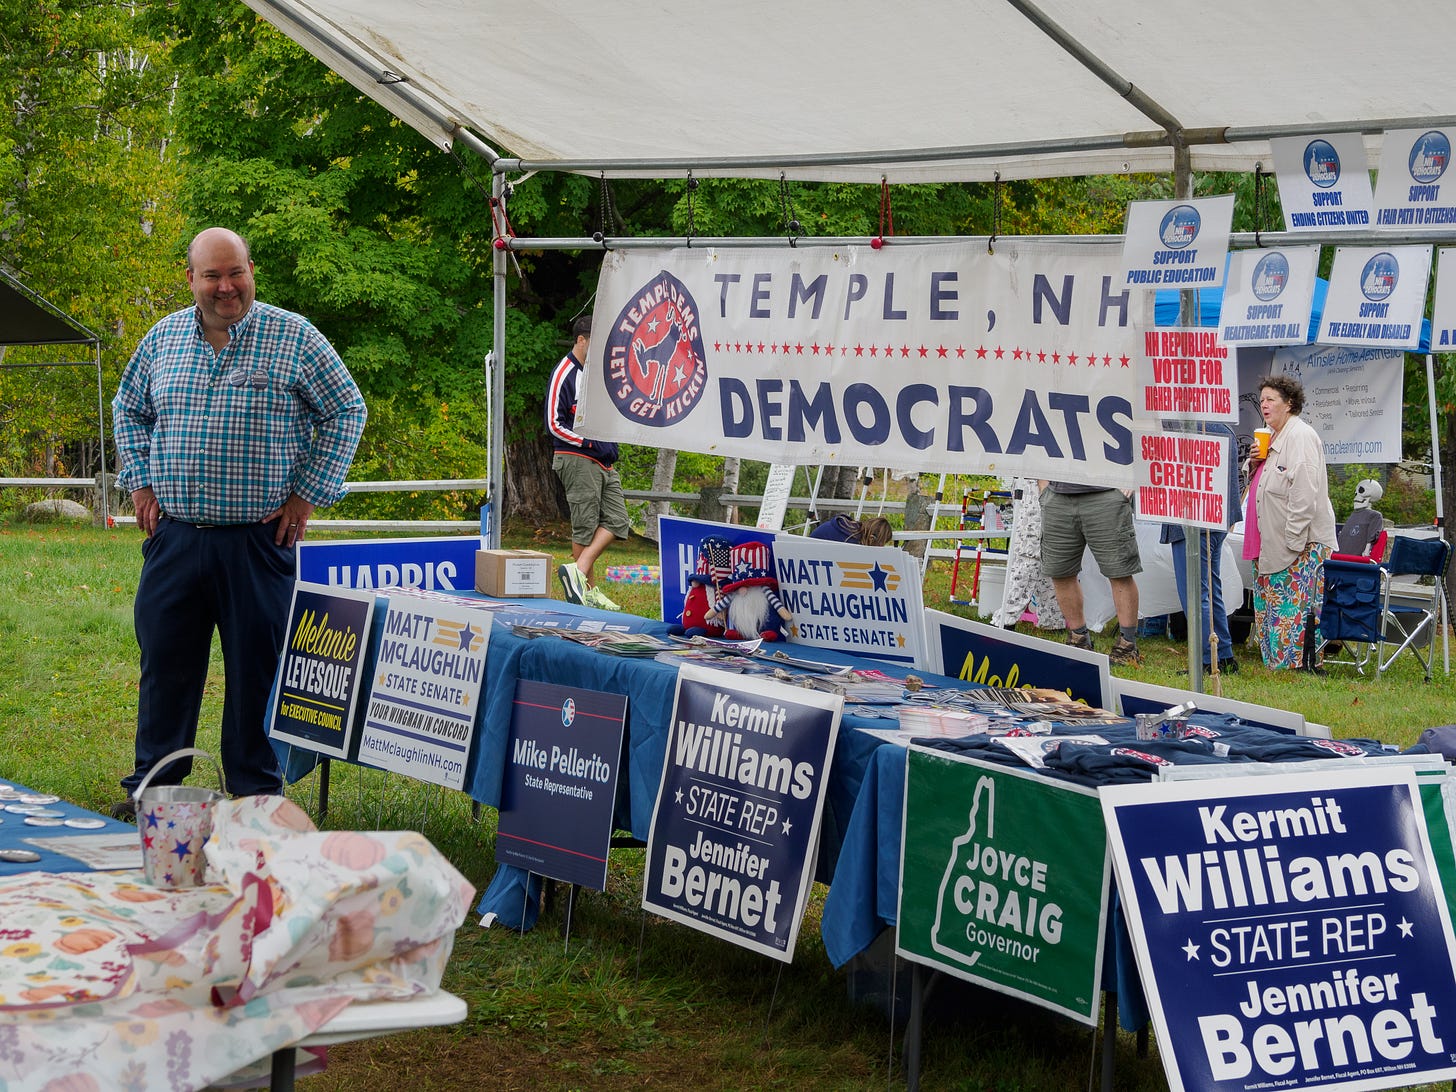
x=649 y=688
x=15 y=833
x=864 y=891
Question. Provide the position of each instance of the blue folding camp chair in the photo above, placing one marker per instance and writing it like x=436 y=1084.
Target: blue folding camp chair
x=1366 y=613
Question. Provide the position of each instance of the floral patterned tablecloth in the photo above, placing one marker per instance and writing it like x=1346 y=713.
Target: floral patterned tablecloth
x=107 y=982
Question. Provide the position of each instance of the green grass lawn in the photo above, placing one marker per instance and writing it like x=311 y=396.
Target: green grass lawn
x=631 y=1001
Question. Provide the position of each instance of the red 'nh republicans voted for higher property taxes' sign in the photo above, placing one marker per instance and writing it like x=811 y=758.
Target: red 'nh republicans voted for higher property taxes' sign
x=1186 y=374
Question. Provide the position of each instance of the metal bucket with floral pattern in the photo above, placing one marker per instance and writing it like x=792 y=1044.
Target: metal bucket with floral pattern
x=175 y=822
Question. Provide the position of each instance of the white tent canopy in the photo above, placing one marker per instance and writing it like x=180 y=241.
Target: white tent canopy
x=841 y=89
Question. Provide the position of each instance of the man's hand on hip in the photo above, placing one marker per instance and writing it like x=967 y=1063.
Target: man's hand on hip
x=292 y=520
x=148 y=509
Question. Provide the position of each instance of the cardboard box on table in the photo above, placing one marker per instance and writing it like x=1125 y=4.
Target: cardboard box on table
x=512 y=574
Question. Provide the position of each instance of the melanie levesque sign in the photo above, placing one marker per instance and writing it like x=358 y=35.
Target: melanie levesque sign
x=318 y=676
x=734 y=832
x=1289 y=931
x=946 y=358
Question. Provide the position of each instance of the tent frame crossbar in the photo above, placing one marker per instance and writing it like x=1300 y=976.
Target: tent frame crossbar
x=1238 y=240
x=1149 y=138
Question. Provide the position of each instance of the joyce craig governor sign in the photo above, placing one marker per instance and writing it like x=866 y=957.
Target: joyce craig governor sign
x=947 y=357
x=731 y=847
x=1289 y=931
x=1004 y=880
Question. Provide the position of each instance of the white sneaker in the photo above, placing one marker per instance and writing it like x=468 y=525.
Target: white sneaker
x=573 y=583
x=595 y=597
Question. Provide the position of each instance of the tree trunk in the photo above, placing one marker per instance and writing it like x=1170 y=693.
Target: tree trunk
x=532 y=494
x=731 y=471
x=917 y=516
x=663 y=475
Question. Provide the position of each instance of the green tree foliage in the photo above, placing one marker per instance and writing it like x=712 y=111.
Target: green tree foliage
x=87 y=208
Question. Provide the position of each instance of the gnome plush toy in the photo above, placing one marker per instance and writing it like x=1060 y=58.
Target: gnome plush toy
x=715 y=565
x=1358 y=533
x=749 y=605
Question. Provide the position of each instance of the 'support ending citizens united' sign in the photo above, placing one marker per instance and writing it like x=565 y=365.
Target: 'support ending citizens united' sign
x=1289 y=931
x=947 y=358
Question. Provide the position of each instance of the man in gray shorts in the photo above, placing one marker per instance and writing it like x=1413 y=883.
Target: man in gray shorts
x=585 y=467
x=1078 y=516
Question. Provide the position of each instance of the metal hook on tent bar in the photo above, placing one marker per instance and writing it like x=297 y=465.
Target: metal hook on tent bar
x=692 y=224
x=887 y=214
x=1259 y=202
x=791 y=220
x=604 y=210
x=995 y=213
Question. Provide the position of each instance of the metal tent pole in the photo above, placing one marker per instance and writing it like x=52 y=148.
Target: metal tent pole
x=496 y=448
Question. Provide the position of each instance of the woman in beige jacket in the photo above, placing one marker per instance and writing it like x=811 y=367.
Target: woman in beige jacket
x=1289 y=529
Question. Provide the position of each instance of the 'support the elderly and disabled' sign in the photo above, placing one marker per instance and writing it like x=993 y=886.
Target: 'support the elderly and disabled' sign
x=948 y=358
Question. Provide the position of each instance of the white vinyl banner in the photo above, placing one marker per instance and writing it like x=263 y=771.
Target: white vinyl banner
x=945 y=358
x=1352 y=398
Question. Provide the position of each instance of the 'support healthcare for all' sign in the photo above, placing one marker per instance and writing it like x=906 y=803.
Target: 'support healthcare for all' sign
x=734 y=831
x=1289 y=931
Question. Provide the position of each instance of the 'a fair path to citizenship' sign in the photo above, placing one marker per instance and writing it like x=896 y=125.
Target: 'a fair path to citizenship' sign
x=1290 y=931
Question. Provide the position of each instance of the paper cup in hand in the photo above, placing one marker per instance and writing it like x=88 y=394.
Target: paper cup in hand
x=1262 y=436
x=175 y=822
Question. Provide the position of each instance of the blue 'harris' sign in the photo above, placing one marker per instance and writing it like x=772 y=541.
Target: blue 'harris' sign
x=435 y=564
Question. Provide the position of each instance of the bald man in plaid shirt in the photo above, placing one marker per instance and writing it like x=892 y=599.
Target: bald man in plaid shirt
x=234 y=420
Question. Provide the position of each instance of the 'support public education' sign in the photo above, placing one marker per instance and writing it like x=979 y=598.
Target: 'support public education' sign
x=1289 y=931
x=947 y=358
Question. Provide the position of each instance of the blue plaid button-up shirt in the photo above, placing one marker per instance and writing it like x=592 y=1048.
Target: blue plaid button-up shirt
x=224 y=437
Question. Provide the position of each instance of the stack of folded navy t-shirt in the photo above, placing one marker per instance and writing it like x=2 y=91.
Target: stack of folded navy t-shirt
x=1208 y=738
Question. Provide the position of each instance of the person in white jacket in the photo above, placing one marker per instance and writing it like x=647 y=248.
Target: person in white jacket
x=1289 y=529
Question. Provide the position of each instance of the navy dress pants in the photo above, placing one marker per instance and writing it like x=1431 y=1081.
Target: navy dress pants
x=195 y=580
x=1214 y=615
